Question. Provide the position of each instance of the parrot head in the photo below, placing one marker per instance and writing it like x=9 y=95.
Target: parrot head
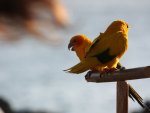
x=75 y=42
x=117 y=26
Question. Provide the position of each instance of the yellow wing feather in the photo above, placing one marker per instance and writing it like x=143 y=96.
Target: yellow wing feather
x=117 y=43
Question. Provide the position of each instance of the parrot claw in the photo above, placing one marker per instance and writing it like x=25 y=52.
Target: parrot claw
x=107 y=70
x=122 y=68
x=88 y=75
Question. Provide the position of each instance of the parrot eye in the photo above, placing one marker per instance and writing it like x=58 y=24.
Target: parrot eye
x=75 y=41
x=127 y=26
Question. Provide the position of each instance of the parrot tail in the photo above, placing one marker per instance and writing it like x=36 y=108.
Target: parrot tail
x=82 y=66
x=135 y=96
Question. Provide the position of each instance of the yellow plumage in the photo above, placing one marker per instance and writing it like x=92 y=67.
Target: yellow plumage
x=82 y=45
x=106 y=49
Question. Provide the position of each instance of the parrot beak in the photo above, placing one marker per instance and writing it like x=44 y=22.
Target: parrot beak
x=70 y=46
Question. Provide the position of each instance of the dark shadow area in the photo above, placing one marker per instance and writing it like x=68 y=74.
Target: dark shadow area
x=7 y=108
x=143 y=110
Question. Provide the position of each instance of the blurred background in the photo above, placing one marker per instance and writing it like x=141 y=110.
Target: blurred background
x=33 y=52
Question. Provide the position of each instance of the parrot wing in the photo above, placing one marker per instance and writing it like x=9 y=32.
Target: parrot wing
x=94 y=42
x=106 y=48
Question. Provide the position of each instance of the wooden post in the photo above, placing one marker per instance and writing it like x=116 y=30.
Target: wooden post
x=122 y=87
x=122 y=97
x=123 y=75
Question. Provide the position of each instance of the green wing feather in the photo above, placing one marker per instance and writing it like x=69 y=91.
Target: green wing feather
x=105 y=57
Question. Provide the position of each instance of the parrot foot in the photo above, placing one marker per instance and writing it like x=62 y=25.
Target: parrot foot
x=107 y=70
x=88 y=75
x=122 y=68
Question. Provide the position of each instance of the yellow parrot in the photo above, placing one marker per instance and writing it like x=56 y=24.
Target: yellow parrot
x=106 y=49
x=80 y=44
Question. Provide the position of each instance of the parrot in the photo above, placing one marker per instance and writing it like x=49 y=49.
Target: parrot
x=80 y=44
x=106 y=50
